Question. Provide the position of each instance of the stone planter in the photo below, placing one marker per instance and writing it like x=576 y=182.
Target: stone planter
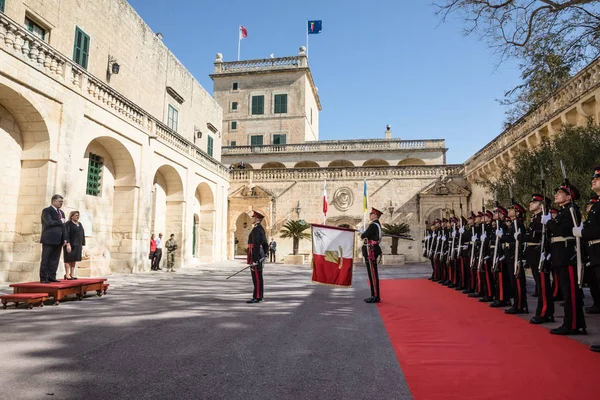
x=293 y=259
x=391 y=260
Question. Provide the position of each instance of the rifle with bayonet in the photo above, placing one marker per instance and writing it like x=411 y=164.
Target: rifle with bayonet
x=575 y=224
x=497 y=241
x=545 y=209
x=461 y=230
x=517 y=265
x=481 y=239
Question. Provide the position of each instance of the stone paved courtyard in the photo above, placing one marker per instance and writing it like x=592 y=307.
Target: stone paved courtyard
x=190 y=335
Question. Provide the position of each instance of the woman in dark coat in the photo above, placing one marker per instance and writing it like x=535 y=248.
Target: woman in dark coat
x=73 y=249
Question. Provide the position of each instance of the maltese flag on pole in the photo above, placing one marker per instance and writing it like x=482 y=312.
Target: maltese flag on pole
x=243 y=32
x=333 y=249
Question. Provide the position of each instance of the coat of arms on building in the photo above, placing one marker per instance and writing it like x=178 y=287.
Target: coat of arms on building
x=343 y=199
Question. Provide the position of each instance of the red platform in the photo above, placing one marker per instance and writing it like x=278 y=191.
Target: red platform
x=62 y=288
x=27 y=298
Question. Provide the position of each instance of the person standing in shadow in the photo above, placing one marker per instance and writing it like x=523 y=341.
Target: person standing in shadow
x=76 y=238
x=158 y=254
x=53 y=238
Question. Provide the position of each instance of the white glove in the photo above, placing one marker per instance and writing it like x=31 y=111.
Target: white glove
x=475 y=237
x=516 y=235
x=427 y=237
x=434 y=235
x=546 y=218
x=453 y=234
x=548 y=257
x=577 y=231
x=461 y=230
x=483 y=236
x=465 y=247
x=361 y=231
x=499 y=232
x=502 y=258
x=443 y=238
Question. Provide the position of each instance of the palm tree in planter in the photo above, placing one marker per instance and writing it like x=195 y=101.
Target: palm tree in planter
x=295 y=230
x=402 y=229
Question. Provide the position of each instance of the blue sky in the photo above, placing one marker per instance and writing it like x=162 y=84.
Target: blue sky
x=375 y=63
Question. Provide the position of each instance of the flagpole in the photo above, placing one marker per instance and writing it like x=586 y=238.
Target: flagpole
x=239 y=40
x=306 y=27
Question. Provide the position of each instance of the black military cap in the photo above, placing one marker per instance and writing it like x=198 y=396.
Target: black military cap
x=570 y=190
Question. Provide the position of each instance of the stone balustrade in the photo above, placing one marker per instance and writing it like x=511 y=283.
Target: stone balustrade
x=307 y=174
x=568 y=95
x=264 y=64
x=338 y=145
x=19 y=42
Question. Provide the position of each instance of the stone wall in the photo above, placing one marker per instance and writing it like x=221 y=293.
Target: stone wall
x=147 y=67
x=52 y=115
x=279 y=200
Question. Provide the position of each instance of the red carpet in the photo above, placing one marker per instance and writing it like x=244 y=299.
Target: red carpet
x=452 y=347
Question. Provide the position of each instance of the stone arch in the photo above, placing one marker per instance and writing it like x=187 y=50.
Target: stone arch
x=376 y=162
x=112 y=211
x=203 y=234
x=168 y=206
x=340 y=164
x=25 y=166
x=411 y=161
x=273 y=165
x=307 y=164
x=432 y=214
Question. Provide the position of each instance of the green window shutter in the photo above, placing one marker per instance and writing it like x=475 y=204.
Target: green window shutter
x=233 y=125
x=256 y=140
x=209 y=148
x=279 y=139
x=258 y=105
x=173 y=118
x=233 y=143
x=280 y=104
x=81 y=48
x=1 y=5
x=234 y=106
x=94 y=176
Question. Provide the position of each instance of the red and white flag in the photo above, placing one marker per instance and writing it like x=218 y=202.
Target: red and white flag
x=243 y=32
x=332 y=255
x=325 y=199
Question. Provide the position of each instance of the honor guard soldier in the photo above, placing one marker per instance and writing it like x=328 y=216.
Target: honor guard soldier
x=258 y=248
x=466 y=251
x=590 y=232
x=487 y=240
x=464 y=236
x=516 y=264
x=536 y=256
x=371 y=250
x=502 y=264
x=477 y=241
x=591 y=279
x=563 y=255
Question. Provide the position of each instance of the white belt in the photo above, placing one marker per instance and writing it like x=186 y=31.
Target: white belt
x=532 y=243
x=592 y=242
x=561 y=239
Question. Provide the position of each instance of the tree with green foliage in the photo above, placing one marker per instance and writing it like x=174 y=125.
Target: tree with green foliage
x=402 y=229
x=295 y=230
x=550 y=40
x=577 y=147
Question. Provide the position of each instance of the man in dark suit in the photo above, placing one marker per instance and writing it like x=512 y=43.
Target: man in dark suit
x=53 y=238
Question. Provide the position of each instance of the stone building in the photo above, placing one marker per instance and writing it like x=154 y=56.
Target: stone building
x=271 y=124
x=95 y=107
x=575 y=103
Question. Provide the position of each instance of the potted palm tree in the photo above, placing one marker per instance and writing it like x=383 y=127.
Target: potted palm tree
x=401 y=230
x=296 y=231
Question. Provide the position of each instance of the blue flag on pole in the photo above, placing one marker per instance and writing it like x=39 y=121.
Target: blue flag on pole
x=315 y=27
